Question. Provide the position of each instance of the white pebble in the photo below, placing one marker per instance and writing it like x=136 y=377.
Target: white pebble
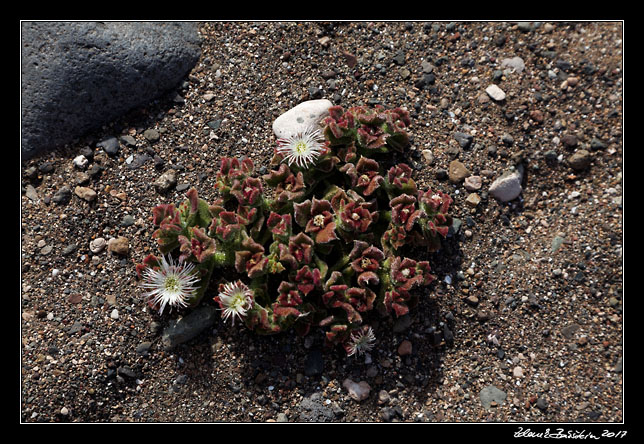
x=97 y=245
x=64 y=411
x=518 y=372
x=299 y=118
x=114 y=314
x=495 y=92
x=80 y=161
x=55 y=272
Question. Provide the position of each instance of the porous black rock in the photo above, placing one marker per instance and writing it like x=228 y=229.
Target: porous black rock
x=78 y=76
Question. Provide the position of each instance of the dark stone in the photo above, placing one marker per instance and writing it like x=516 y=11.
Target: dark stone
x=448 y=335
x=46 y=167
x=569 y=330
x=425 y=79
x=110 y=146
x=78 y=76
x=189 y=326
x=62 y=196
x=399 y=58
x=314 y=363
x=127 y=140
x=94 y=170
x=313 y=409
x=388 y=414
x=542 y=404
x=328 y=74
x=597 y=144
x=563 y=65
x=126 y=371
x=464 y=140
x=214 y=124
x=143 y=348
x=139 y=161
x=569 y=140
x=550 y=156
x=315 y=92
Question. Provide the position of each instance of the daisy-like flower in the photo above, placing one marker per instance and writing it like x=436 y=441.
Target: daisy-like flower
x=361 y=341
x=235 y=299
x=172 y=284
x=302 y=148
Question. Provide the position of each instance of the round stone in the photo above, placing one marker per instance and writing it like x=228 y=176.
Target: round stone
x=473 y=183
x=457 y=171
x=580 y=160
x=97 y=245
x=301 y=117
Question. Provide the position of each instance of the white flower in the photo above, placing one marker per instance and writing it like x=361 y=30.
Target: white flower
x=172 y=284
x=302 y=148
x=361 y=341
x=235 y=299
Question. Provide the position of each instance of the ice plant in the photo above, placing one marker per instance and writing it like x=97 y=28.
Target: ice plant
x=361 y=341
x=302 y=148
x=235 y=299
x=330 y=235
x=169 y=284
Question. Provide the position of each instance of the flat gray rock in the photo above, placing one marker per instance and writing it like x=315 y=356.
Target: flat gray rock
x=508 y=186
x=189 y=326
x=514 y=64
x=78 y=76
x=491 y=394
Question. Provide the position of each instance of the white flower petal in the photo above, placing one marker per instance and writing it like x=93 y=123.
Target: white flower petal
x=235 y=300
x=171 y=285
x=302 y=148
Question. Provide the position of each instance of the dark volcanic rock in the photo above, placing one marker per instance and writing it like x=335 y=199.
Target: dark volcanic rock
x=77 y=76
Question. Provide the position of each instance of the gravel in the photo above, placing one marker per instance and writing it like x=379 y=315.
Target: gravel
x=535 y=265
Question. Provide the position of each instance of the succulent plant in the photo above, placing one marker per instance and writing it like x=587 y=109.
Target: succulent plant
x=330 y=243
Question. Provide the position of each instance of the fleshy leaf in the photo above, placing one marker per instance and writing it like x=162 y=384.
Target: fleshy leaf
x=400 y=180
x=320 y=222
x=280 y=226
x=365 y=257
x=307 y=279
x=396 y=300
x=404 y=212
x=199 y=246
x=407 y=273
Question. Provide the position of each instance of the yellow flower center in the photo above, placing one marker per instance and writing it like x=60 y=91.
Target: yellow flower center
x=300 y=147
x=318 y=220
x=171 y=283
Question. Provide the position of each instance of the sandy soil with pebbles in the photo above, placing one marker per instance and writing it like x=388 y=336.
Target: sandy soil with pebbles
x=524 y=322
